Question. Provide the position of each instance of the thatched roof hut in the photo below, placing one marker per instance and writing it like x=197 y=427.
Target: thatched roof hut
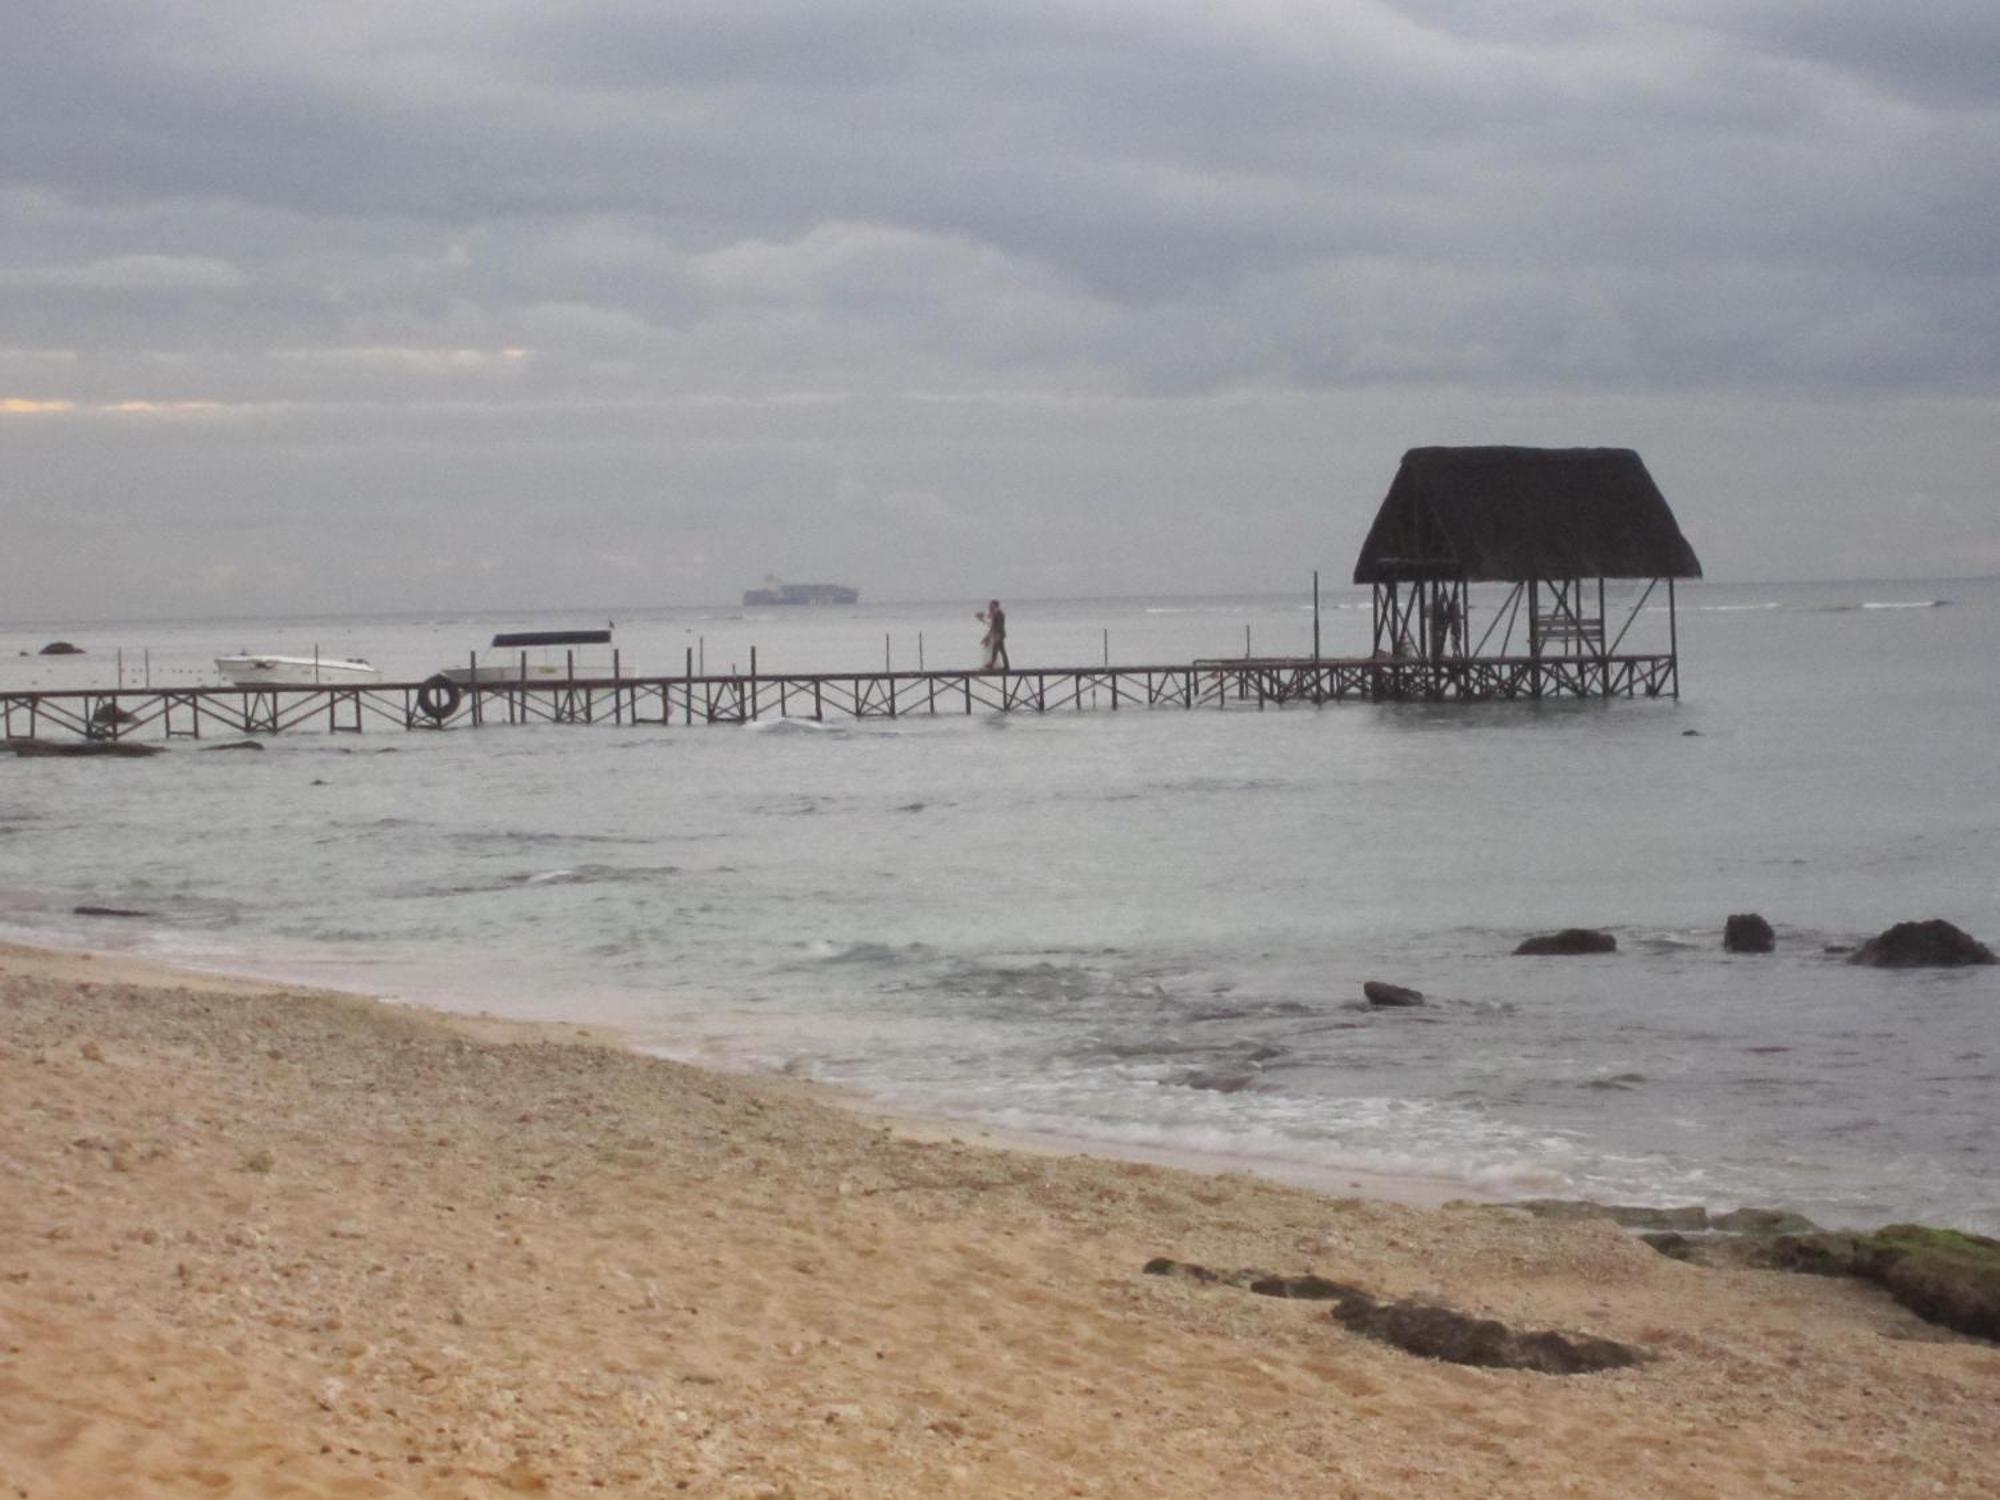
x=1513 y=514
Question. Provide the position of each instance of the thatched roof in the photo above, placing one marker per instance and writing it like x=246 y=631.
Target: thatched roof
x=1506 y=514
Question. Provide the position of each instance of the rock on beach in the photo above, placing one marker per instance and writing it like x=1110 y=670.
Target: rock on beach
x=1433 y=1331
x=1944 y=1276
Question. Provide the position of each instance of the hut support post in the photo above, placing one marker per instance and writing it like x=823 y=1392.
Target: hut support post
x=1603 y=656
x=1534 y=638
x=1673 y=642
x=1107 y=634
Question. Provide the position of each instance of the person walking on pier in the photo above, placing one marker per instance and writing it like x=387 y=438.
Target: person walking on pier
x=995 y=640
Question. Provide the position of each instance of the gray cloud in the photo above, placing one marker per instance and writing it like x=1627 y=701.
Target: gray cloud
x=1946 y=58
x=722 y=270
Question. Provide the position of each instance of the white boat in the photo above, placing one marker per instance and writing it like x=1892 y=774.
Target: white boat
x=247 y=670
x=508 y=658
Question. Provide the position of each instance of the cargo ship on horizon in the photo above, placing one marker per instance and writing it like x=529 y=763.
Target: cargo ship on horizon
x=774 y=592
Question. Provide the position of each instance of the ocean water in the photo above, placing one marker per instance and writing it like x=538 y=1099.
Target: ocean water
x=1150 y=929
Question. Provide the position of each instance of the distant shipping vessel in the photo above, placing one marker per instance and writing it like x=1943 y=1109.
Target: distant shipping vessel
x=775 y=592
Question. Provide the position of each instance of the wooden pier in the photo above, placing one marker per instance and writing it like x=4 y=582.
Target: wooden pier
x=1224 y=683
x=1538 y=523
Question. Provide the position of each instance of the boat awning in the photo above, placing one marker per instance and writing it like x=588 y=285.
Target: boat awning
x=554 y=638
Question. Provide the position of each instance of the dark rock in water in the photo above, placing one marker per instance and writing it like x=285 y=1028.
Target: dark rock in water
x=111 y=713
x=1615 y=1082
x=237 y=745
x=55 y=748
x=1218 y=1080
x=1435 y=1332
x=107 y=911
x=1914 y=945
x=1690 y=734
x=1746 y=932
x=1626 y=1215
x=61 y=648
x=1569 y=940
x=1381 y=993
x=1838 y=948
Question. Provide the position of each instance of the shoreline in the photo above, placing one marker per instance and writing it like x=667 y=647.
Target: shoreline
x=272 y=1240
x=1418 y=1190
x=422 y=993
x=1410 y=1191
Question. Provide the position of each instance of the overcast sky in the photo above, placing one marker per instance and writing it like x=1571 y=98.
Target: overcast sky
x=530 y=303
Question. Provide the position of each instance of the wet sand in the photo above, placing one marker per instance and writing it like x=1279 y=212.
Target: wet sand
x=263 y=1241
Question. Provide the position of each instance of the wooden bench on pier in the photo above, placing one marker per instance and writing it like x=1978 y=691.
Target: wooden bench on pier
x=1563 y=630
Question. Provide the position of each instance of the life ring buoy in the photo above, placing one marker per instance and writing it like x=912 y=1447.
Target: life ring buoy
x=438 y=698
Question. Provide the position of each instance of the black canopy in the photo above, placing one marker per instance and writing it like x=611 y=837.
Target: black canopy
x=1508 y=514
x=554 y=638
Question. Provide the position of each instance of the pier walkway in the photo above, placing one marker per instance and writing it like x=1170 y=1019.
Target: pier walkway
x=1224 y=683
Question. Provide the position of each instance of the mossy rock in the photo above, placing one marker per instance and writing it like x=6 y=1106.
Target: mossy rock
x=1689 y=1216
x=1943 y=1241
x=1762 y=1221
x=1828 y=1253
x=1944 y=1276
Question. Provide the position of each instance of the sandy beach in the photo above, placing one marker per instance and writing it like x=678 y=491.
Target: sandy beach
x=268 y=1242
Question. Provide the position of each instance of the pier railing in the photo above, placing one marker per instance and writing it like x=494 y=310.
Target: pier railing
x=737 y=698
